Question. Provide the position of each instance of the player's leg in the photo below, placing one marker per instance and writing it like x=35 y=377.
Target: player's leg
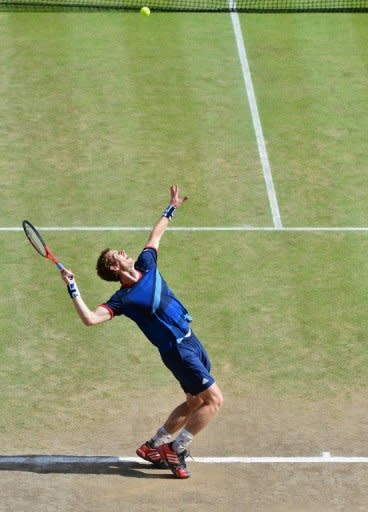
x=181 y=414
x=207 y=404
x=210 y=402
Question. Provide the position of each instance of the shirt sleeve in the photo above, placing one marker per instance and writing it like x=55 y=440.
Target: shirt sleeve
x=107 y=307
x=147 y=259
x=114 y=305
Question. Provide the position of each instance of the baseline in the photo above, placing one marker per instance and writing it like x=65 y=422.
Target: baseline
x=106 y=464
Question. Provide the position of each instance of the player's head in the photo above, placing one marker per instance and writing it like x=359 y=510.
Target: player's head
x=111 y=263
x=103 y=267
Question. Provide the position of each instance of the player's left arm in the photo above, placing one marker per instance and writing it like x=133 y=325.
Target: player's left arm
x=161 y=225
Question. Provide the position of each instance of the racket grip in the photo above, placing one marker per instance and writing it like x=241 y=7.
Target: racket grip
x=60 y=266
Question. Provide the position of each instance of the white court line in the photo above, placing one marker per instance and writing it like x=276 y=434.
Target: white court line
x=326 y=457
x=267 y=174
x=65 y=463
x=307 y=229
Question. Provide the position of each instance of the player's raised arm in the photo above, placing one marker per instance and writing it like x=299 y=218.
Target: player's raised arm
x=88 y=316
x=160 y=227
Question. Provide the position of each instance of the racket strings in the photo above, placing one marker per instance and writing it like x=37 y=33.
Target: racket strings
x=35 y=240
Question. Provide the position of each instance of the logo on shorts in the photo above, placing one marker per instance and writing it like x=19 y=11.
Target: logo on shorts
x=204 y=380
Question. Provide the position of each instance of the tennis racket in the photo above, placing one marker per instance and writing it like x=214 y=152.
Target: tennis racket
x=39 y=244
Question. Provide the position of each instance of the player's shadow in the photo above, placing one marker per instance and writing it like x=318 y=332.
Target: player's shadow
x=87 y=465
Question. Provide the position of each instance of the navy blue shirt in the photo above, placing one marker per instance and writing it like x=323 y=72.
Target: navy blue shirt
x=152 y=305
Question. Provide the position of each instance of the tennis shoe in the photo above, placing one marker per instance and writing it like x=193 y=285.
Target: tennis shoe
x=175 y=460
x=151 y=454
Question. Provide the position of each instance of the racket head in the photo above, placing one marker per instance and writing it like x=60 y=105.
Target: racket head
x=39 y=244
x=35 y=238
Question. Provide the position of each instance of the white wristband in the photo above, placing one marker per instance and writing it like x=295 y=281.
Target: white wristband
x=73 y=290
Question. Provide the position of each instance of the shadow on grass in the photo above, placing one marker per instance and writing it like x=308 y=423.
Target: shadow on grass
x=85 y=465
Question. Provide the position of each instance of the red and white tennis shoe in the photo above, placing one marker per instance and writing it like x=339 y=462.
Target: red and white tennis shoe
x=175 y=461
x=151 y=454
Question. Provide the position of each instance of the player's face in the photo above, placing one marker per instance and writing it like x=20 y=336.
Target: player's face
x=121 y=259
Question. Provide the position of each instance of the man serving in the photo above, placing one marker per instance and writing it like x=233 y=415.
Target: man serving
x=145 y=297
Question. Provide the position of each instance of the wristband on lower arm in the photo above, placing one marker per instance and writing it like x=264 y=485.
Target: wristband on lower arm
x=73 y=290
x=169 y=212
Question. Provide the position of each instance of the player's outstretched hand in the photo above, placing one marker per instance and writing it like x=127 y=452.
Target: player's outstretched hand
x=176 y=200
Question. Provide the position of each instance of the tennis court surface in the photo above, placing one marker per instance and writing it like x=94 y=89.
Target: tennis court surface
x=262 y=120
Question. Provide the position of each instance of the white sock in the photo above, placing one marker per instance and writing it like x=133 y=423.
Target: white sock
x=183 y=440
x=161 y=437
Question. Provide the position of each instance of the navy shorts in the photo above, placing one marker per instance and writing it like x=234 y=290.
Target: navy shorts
x=189 y=363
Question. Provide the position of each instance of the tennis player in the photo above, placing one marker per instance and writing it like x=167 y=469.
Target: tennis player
x=145 y=297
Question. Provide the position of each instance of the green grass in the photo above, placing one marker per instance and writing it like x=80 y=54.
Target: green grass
x=294 y=324
x=310 y=77
x=100 y=114
x=115 y=105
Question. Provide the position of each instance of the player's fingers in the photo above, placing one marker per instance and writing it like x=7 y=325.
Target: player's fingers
x=67 y=274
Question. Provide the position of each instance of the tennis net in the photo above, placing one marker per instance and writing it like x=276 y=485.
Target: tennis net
x=192 y=5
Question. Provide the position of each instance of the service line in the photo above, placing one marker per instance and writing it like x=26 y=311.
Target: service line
x=295 y=229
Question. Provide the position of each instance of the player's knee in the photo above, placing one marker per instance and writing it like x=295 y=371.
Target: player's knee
x=219 y=399
x=214 y=398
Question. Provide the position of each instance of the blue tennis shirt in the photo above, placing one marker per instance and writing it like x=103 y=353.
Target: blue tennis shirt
x=152 y=305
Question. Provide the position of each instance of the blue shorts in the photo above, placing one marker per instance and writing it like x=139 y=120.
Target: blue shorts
x=189 y=363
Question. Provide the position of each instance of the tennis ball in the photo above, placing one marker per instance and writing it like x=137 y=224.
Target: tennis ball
x=145 y=11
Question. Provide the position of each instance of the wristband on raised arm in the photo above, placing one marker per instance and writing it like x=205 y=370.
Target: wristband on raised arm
x=169 y=212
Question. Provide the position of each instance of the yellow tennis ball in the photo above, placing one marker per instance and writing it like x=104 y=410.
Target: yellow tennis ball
x=145 y=11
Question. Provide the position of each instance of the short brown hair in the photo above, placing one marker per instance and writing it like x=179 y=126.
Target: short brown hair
x=103 y=267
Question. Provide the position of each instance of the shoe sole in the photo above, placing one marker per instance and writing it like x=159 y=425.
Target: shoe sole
x=183 y=477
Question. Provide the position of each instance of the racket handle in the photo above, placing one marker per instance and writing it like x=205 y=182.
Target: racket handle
x=60 y=266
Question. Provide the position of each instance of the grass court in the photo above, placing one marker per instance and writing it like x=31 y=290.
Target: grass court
x=101 y=112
